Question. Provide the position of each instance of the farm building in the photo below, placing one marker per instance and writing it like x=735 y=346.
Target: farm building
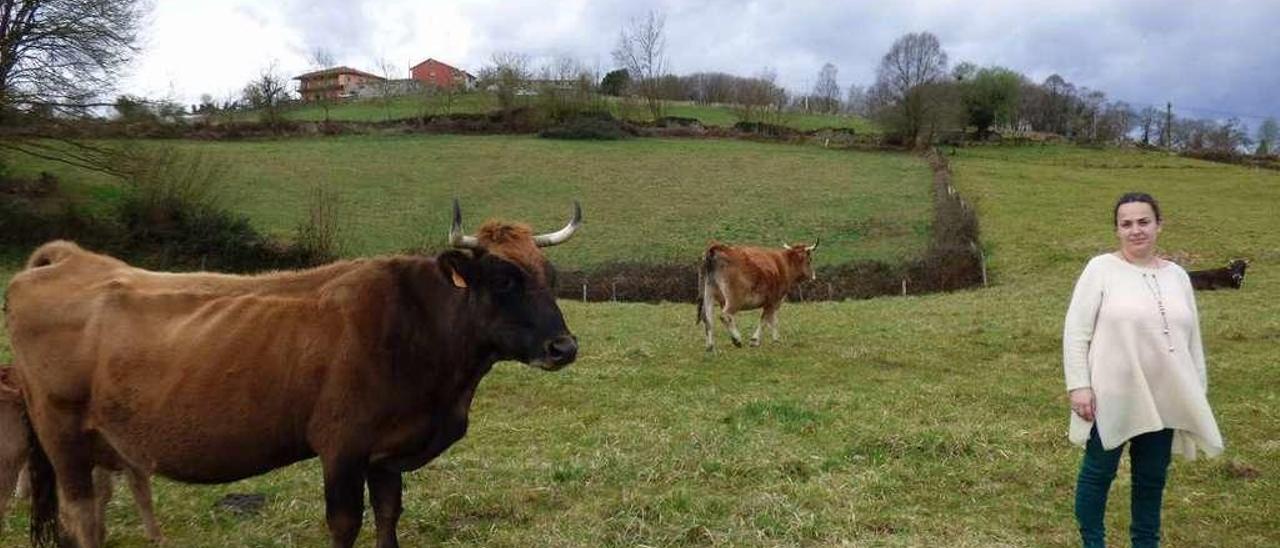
x=333 y=83
x=435 y=73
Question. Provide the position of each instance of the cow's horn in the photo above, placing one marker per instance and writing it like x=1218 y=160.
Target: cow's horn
x=559 y=236
x=456 y=237
x=813 y=247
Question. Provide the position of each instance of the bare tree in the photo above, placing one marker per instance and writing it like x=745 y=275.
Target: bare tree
x=508 y=76
x=58 y=55
x=827 y=92
x=855 y=101
x=386 y=69
x=567 y=89
x=267 y=93
x=641 y=50
x=760 y=98
x=903 y=80
x=321 y=59
x=1147 y=121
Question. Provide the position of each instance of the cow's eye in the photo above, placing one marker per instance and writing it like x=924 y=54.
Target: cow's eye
x=504 y=284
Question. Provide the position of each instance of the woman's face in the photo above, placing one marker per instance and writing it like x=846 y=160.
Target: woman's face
x=1137 y=228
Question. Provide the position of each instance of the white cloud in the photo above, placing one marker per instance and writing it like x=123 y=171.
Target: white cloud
x=1218 y=55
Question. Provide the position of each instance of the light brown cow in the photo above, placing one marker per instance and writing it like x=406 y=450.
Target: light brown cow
x=15 y=446
x=370 y=365
x=746 y=278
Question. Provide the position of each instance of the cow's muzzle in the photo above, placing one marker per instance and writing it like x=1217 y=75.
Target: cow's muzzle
x=560 y=351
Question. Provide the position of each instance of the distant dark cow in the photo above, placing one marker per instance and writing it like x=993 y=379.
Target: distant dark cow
x=1231 y=276
x=15 y=446
x=369 y=364
x=745 y=278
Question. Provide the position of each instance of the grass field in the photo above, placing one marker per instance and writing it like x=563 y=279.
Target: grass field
x=906 y=421
x=643 y=199
x=397 y=108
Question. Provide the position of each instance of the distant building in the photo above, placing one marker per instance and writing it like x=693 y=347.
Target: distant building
x=435 y=73
x=333 y=83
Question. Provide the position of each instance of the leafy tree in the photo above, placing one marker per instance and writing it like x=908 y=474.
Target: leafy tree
x=615 y=82
x=1268 y=137
x=990 y=97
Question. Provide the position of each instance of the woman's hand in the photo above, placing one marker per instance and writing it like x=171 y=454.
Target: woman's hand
x=1082 y=403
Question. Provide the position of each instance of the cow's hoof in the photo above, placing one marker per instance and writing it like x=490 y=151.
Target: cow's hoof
x=737 y=343
x=755 y=342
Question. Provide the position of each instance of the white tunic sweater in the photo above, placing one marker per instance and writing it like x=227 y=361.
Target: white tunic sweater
x=1115 y=341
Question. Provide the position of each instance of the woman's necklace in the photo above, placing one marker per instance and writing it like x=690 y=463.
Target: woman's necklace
x=1153 y=285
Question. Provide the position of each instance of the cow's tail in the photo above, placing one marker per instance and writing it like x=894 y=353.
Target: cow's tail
x=706 y=272
x=44 y=492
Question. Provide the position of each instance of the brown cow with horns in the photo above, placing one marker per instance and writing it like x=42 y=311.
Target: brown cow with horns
x=370 y=364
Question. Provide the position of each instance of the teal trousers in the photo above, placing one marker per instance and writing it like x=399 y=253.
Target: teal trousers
x=1149 y=463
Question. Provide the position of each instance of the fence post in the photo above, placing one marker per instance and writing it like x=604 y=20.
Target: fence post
x=614 y=291
x=982 y=260
x=584 y=292
x=904 y=287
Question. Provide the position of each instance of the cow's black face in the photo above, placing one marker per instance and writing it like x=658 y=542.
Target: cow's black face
x=1237 y=272
x=516 y=311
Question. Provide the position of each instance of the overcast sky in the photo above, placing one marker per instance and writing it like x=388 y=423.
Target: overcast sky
x=1210 y=58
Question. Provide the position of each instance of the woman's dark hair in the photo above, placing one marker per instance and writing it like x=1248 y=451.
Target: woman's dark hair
x=1130 y=197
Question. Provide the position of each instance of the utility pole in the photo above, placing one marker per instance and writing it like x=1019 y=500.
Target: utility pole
x=1168 y=125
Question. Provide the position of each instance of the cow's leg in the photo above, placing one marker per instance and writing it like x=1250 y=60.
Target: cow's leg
x=77 y=500
x=385 y=488
x=708 y=310
x=140 y=485
x=24 y=484
x=726 y=316
x=770 y=317
x=344 y=498
x=102 y=479
x=755 y=337
x=13 y=460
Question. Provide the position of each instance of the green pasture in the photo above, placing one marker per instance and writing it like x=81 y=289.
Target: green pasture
x=648 y=200
x=934 y=420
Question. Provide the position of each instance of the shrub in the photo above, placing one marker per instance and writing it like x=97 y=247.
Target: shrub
x=767 y=130
x=316 y=239
x=172 y=217
x=596 y=128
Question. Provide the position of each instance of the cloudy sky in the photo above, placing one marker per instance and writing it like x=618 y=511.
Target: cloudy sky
x=1214 y=58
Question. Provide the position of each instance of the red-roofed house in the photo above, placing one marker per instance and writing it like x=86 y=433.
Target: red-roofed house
x=333 y=83
x=438 y=74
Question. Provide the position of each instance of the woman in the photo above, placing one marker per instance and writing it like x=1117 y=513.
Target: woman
x=1135 y=373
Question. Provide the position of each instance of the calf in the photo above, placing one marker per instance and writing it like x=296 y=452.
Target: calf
x=1231 y=276
x=745 y=278
x=15 y=446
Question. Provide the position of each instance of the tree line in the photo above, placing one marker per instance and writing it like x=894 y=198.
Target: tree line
x=59 y=57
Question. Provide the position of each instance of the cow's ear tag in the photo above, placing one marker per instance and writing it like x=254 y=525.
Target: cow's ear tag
x=458 y=282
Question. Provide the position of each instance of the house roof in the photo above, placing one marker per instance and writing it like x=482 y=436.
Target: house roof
x=336 y=71
x=443 y=64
